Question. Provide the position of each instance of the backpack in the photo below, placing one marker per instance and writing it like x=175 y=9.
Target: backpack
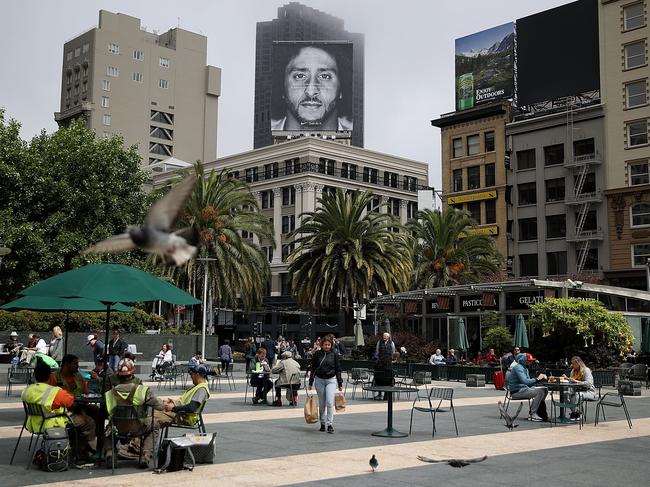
x=56 y=450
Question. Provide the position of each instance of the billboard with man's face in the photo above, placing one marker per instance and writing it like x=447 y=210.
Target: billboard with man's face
x=312 y=87
x=485 y=66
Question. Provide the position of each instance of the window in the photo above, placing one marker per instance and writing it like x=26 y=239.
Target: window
x=68 y=56
x=640 y=255
x=85 y=48
x=555 y=263
x=556 y=226
x=326 y=166
x=458 y=179
x=393 y=206
x=473 y=145
x=457 y=147
x=489 y=141
x=69 y=78
x=635 y=94
x=112 y=71
x=474 y=210
x=106 y=85
x=271 y=170
x=390 y=179
x=589 y=184
x=251 y=175
x=162 y=149
x=527 y=194
x=161 y=133
x=528 y=265
x=584 y=147
x=591 y=262
x=528 y=229
x=348 y=170
x=77 y=52
x=554 y=154
x=637 y=133
x=105 y=102
x=633 y=16
x=526 y=159
x=137 y=77
x=162 y=117
x=288 y=196
x=554 y=190
x=410 y=183
x=106 y=119
x=474 y=177
x=267 y=199
x=164 y=62
x=138 y=55
x=288 y=223
x=591 y=221
x=639 y=173
x=286 y=250
x=635 y=55
x=84 y=71
x=489 y=175
x=411 y=210
x=640 y=214
x=113 y=48
x=370 y=175
x=76 y=75
x=491 y=211
x=163 y=83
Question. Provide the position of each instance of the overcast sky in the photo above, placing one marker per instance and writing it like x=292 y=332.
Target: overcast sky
x=409 y=64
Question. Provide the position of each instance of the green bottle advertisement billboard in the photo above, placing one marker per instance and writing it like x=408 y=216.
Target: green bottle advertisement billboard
x=465 y=91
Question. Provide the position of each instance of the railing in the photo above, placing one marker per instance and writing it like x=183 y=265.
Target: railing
x=593 y=197
x=586 y=235
x=592 y=158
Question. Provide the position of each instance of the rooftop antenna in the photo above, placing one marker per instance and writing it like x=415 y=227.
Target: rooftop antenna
x=178 y=24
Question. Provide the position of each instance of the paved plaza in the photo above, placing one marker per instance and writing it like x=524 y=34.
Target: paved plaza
x=261 y=445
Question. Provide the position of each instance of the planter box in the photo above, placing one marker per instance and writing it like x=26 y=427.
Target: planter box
x=475 y=380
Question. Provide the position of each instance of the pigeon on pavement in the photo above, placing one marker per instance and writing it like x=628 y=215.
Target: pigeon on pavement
x=155 y=235
x=374 y=463
x=510 y=420
x=454 y=462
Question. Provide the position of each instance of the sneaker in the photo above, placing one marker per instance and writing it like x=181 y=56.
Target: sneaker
x=293 y=403
x=277 y=403
x=255 y=400
x=330 y=429
x=535 y=418
x=322 y=427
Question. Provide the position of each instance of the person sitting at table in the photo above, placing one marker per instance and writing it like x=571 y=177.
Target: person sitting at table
x=68 y=376
x=197 y=360
x=491 y=357
x=522 y=386
x=101 y=370
x=56 y=401
x=451 y=357
x=479 y=359
x=114 y=379
x=437 y=358
x=261 y=380
x=13 y=345
x=35 y=345
x=185 y=410
x=129 y=393
x=288 y=369
x=162 y=361
x=580 y=374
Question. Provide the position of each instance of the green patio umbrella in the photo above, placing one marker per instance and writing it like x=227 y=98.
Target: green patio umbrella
x=521 y=334
x=461 y=336
x=359 y=341
x=645 y=342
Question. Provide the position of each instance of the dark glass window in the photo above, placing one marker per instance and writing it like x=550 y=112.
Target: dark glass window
x=370 y=175
x=288 y=223
x=556 y=226
x=474 y=209
x=489 y=141
x=528 y=265
x=491 y=211
x=489 y=175
x=591 y=221
x=554 y=154
x=474 y=177
x=555 y=263
x=584 y=147
x=458 y=179
x=555 y=190
x=526 y=159
x=528 y=229
x=591 y=262
x=589 y=185
x=457 y=147
x=527 y=193
x=288 y=196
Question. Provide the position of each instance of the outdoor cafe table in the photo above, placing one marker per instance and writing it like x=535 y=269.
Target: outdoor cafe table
x=563 y=388
x=390 y=432
x=100 y=401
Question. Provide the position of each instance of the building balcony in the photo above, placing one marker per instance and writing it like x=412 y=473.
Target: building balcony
x=586 y=235
x=593 y=197
x=84 y=108
x=579 y=161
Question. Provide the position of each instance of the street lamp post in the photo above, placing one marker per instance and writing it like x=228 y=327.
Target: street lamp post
x=205 y=261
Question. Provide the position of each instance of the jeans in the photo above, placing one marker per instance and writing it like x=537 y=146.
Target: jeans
x=114 y=362
x=584 y=395
x=326 y=390
x=537 y=394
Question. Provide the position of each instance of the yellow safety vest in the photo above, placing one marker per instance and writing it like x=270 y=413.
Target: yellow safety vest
x=191 y=419
x=43 y=394
x=115 y=397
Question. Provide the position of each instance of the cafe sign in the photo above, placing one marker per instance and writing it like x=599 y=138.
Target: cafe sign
x=477 y=302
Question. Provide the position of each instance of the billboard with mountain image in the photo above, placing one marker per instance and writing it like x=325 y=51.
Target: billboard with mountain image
x=485 y=66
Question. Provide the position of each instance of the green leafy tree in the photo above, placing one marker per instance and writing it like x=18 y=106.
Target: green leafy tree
x=446 y=253
x=61 y=193
x=572 y=325
x=344 y=253
x=221 y=210
x=499 y=338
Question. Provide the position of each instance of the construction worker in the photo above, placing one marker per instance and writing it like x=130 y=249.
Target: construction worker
x=129 y=393
x=187 y=408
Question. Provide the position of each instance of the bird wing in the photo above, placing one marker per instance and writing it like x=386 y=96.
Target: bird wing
x=116 y=243
x=504 y=415
x=430 y=460
x=475 y=460
x=190 y=235
x=163 y=212
x=518 y=411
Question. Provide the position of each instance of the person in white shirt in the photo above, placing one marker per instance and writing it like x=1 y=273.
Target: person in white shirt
x=38 y=346
x=162 y=361
x=437 y=358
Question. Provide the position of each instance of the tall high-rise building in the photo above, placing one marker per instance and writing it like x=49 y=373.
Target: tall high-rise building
x=296 y=26
x=155 y=90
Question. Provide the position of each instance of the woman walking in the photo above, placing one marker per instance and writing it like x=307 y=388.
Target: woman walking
x=326 y=375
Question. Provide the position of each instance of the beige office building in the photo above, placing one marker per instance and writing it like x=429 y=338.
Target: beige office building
x=153 y=89
x=624 y=37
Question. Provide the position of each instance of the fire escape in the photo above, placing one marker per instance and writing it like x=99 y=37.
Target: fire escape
x=582 y=159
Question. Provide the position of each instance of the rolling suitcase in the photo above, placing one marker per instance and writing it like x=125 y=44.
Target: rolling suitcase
x=499 y=380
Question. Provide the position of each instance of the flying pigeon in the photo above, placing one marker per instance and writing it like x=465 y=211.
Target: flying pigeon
x=454 y=462
x=374 y=463
x=155 y=235
x=510 y=420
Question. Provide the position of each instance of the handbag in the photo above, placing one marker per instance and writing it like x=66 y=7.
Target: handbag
x=339 y=402
x=311 y=410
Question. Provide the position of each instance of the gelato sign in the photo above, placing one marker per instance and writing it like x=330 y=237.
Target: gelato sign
x=485 y=66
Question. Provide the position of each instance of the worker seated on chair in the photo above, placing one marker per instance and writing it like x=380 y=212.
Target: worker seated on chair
x=288 y=368
x=114 y=379
x=521 y=386
x=186 y=409
x=580 y=374
x=56 y=402
x=129 y=393
x=69 y=378
x=261 y=381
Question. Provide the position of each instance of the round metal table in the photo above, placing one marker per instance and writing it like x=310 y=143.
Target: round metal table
x=390 y=432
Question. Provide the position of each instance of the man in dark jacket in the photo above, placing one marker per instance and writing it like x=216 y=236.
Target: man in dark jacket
x=116 y=347
x=269 y=345
x=384 y=366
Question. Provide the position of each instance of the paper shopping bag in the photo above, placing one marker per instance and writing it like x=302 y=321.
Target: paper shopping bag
x=311 y=410
x=339 y=402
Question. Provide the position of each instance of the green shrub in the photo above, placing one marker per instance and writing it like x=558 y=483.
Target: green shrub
x=499 y=338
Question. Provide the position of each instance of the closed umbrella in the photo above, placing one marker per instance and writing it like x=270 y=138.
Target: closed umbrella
x=521 y=335
x=645 y=343
x=461 y=337
x=358 y=334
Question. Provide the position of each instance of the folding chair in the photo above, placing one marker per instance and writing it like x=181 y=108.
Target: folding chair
x=356 y=377
x=620 y=403
x=128 y=422
x=435 y=394
x=227 y=374
x=508 y=398
x=18 y=375
x=32 y=409
x=198 y=425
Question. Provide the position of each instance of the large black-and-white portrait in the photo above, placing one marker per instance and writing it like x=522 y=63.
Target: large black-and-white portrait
x=312 y=86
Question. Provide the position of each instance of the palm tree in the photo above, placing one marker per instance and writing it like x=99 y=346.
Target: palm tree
x=220 y=210
x=446 y=253
x=344 y=254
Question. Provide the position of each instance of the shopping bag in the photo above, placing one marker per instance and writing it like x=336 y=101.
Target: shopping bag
x=339 y=402
x=311 y=410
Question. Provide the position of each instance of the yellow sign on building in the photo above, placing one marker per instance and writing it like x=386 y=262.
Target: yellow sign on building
x=491 y=230
x=467 y=198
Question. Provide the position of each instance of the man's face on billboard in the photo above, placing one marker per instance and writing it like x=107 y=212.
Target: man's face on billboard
x=312 y=85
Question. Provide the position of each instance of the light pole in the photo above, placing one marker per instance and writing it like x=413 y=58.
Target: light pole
x=205 y=261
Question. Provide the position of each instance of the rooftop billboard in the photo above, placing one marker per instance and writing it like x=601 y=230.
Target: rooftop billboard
x=485 y=66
